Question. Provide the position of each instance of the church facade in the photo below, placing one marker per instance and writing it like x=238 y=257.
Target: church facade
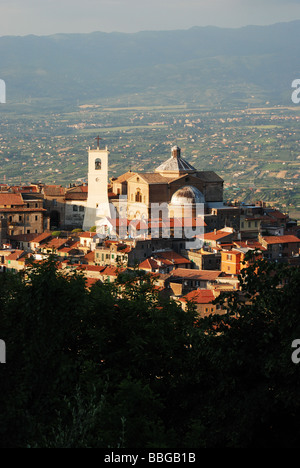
x=175 y=185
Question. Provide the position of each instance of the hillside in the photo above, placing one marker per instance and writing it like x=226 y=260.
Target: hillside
x=208 y=65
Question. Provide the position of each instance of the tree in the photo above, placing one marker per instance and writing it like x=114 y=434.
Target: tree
x=254 y=401
x=118 y=366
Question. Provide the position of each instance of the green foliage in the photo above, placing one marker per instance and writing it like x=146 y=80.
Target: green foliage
x=117 y=366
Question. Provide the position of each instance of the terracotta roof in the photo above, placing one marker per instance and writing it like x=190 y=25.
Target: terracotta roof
x=123 y=177
x=281 y=239
x=111 y=271
x=69 y=250
x=54 y=190
x=277 y=214
x=55 y=243
x=187 y=273
x=26 y=189
x=11 y=199
x=80 y=196
x=172 y=257
x=78 y=189
x=251 y=244
x=216 y=235
x=16 y=255
x=87 y=234
x=152 y=178
x=42 y=237
x=90 y=256
x=199 y=296
x=149 y=264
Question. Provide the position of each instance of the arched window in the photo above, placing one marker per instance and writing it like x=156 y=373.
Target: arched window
x=138 y=195
x=97 y=164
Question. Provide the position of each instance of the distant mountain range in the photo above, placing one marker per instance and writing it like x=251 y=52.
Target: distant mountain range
x=206 y=65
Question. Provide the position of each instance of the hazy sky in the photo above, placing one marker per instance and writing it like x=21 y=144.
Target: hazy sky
x=43 y=17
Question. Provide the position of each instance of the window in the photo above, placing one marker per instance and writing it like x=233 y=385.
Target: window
x=36 y=218
x=75 y=208
x=138 y=195
x=20 y=218
x=81 y=208
x=229 y=257
x=97 y=164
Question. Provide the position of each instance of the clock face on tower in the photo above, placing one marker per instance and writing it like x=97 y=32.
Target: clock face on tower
x=97 y=179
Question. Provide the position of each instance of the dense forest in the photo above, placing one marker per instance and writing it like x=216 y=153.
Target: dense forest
x=118 y=366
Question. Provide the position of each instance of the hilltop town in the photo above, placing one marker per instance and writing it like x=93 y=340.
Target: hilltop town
x=39 y=219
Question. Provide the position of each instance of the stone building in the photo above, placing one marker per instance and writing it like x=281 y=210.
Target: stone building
x=173 y=186
x=21 y=216
x=75 y=205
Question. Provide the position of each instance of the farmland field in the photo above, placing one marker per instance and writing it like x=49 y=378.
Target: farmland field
x=255 y=150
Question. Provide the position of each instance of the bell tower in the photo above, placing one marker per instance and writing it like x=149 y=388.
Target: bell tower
x=97 y=201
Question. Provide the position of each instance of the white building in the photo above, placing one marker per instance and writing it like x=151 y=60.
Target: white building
x=97 y=204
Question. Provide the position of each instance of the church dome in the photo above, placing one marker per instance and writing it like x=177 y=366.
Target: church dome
x=187 y=195
x=175 y=164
